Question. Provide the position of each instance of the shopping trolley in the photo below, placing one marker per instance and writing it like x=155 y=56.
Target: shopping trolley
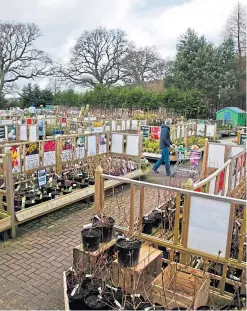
x=186 y=154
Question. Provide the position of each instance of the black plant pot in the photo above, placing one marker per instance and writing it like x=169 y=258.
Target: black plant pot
x=55 y=189
x=78 y=179
x=76 y=302
x=28 y=204
x=105 y=227
x=94 y=302
x=128 y=252
x=38 y=200
x=147 y=223
x=49 y=190
x=83 y=185
x=203 y=308
x=157 y=218
x=17 y=202
x=165 y=252
x=29 y=197
x=74 y=185
x=54 y=194
x=17 y=208
x=90 y=239
x=110 y=295
x=61 y=181
x=91 y=182
x=46 y=198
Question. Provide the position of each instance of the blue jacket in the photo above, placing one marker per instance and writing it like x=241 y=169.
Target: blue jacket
x=165 y=140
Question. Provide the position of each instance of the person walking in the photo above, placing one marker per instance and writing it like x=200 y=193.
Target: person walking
x=165 y=143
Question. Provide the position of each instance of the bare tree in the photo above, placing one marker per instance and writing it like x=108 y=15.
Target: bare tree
x=18 y=56
x=142 y=65
x=96 y=58
x=236 y=30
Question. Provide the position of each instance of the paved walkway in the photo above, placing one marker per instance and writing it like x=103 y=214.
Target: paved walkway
x=31 y=265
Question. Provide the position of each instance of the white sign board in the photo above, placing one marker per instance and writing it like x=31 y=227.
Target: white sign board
x=216 y=154
x=200 y=129
x=208 y=225
x=23 y=132
x=117 y=143
x=33 y=133
x=210 y=130
x=134 y=124
x=132 y=145
x=91 y=145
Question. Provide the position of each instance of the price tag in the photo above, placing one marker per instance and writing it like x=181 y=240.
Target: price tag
x=49 y=195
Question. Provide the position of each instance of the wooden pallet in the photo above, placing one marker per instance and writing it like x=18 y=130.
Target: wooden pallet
x=132 y=278
x=87 y=261
x=181 y=286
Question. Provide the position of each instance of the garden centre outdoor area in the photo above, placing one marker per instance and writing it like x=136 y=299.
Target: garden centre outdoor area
x=122 y=164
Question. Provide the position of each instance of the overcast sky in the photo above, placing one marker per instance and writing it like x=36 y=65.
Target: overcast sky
x=146 y=22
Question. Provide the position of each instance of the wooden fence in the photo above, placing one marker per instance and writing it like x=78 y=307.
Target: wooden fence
x=199 y=238
x=28 y=157
x=23 y=159
x=230 y=168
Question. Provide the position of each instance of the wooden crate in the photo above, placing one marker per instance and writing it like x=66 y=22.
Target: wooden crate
x=86 y=261
x=133 y=278
x=181 y=286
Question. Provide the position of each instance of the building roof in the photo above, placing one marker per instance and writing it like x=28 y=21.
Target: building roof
x=234 y=109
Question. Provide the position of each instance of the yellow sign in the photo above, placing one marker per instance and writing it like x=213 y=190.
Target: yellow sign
x=97 y=124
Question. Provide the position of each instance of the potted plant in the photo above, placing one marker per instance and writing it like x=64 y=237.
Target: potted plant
x=90 y=239
x=147 y=222
x=105 y=225
x=128 y=251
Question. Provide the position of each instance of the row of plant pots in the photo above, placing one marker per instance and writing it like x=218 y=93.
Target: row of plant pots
x=95 y=294
x=101 y=231
x=28 y=196
x=158 y=218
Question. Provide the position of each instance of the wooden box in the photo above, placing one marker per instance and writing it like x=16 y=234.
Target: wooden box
x=88 y=262
x=133 y=278
x=181 y=286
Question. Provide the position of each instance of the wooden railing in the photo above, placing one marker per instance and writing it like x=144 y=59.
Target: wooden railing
x=71 y=149
x=190 y=244
x=230 y=164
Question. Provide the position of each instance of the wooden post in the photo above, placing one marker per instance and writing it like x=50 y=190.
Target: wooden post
x=228 y=248
x=10 y=193
x=140 y=151
x=185 y=135
x=107 y=143
x=186 y=214
x=141 y=212
x=132 y=209
x=242 y=237
x=58 y=156
x=97 y=190
x=230 y=178
x=176 y=225
x=205 y=159
x=238 y=137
